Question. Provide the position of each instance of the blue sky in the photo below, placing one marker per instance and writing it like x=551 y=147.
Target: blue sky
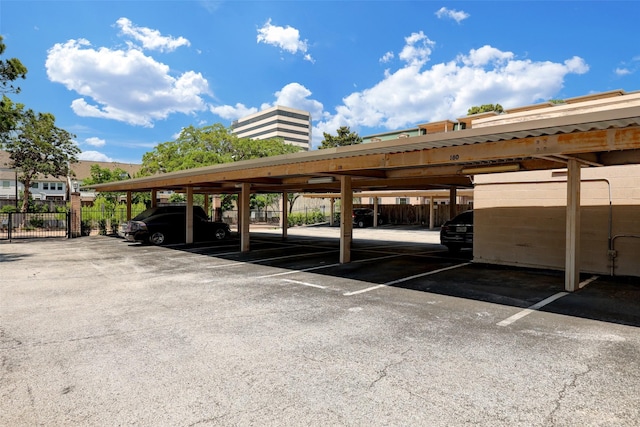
x=124 y=76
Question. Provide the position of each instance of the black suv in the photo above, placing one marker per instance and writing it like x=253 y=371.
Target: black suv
x=363 y=217
x=457 y=233
x=165 y=224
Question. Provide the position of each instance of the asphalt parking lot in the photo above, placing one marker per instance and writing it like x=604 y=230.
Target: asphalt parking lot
x=98 y=331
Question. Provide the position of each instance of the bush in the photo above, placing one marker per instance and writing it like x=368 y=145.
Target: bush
x=102 y=226
x=85 y=227
x=307 y=218
x=35 y=222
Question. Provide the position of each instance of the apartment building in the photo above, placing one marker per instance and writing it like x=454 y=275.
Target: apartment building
x=293 y=126
x=54 y=187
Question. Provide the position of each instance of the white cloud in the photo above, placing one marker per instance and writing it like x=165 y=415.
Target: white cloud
x=286 y=38
x=417 y=49
x=151 y=39
x=387 y=57
x=295 y=95
x=123 y=85
x=234 y=112
x=94 y=156
x=95 y=141
x=456 y=15
x=623 y=71
x=418 y=94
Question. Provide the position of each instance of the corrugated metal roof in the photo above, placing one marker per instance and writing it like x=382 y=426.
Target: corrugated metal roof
x=627 y=115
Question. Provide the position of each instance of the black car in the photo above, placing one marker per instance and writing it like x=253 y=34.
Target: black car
x=167 y=224
x=363 y=217
x=457 y=233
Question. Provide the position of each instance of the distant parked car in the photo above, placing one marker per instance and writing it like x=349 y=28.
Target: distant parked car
x=363 y=217
x=167 y=224
x=457 y=233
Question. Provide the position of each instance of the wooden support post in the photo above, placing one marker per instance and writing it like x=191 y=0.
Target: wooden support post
x=154 y=198
x=346 y=219
x=332 y=210
x=572 y=253
x=189 y=221
x=284 y=217
x=129 y=205
x=432 y=214
x=217 y=211
x=452 y=202
x=244 y=209
x=375 y=212
x=206 y=205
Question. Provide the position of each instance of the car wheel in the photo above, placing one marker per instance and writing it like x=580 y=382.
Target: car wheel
x=361 y=224
x=157 y=238
x=220 y=234
x=380 y=221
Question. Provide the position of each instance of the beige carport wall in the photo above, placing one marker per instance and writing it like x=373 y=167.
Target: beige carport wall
x=607 y=134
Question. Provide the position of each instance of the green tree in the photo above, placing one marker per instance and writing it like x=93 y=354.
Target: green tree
x=345 y=137
x=99 y=175
x=38 y=147
x=485 y=108
x=209 y=145
x=10 y=70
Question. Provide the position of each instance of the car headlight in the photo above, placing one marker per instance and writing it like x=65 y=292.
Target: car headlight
x=137 y=226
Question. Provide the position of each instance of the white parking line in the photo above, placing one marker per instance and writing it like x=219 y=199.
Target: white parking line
x=404 y=279
x=284 y=273
x=319 y=267
x=297 y=282
x=534 y=307
x=258 y=261
x=586 y=282
x=539 y=305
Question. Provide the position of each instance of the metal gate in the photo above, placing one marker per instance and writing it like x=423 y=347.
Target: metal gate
x=33 y=225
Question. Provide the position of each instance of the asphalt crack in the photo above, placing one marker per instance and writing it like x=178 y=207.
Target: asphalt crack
x=563 y=393
x=383 y=372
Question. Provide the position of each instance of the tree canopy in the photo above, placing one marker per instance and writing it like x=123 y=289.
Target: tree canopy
x=206 y=146
x=38 y=147
x=99 y=175
x=485 y=108
x=209 y=145
x=344 y=137
x=10 y=71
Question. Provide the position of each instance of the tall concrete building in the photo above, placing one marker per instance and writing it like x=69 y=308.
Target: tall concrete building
x=294 y=126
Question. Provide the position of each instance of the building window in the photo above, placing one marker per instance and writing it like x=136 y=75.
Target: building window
x=402 y=201
x=59 y=186
x=6 y=184
x=34 y=185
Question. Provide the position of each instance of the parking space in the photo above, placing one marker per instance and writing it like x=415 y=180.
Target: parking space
x=101 y=331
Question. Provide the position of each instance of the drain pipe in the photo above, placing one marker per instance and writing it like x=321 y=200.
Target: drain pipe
x=613 y=253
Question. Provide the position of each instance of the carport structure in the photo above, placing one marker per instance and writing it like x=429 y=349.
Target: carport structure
x=590 y=134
